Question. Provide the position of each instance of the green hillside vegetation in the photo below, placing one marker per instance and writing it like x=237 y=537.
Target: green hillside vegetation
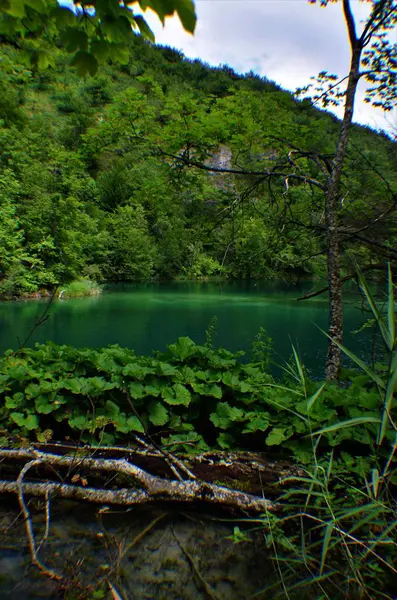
x=109 y=178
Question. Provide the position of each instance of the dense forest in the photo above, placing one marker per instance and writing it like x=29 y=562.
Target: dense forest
x=119 y=177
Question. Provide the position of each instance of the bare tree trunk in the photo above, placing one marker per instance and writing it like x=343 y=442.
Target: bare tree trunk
x=335 y=330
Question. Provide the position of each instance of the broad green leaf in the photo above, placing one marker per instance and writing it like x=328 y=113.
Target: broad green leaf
x=78 y=422
x=43 y=405
x=16 y=8
x=256 y=422
x=136 y=371
x=182 y=395
x=134 y=424
x=18 y=372
x=116 y=29
x=137 y=391
x=151 y=390
x=29 y=421
x=101 y=50
x=64 y=17
x=276 y=436
x=15 y=401
x=166 y=369
x=225 y=415
x=144 y=28
x=74 y=39
x=158 y=414
x=74 y=385
x=208 y=390
x=85 y=63
x=183 y=348
x=39 y=6
x=112 y=411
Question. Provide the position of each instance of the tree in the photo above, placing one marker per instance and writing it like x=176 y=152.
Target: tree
x=97 y=30
x=373 y=57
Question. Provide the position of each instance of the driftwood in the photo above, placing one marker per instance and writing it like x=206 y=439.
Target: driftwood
x=131 y=484
x=133 y=476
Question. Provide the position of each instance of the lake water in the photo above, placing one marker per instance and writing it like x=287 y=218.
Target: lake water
x=146 y=317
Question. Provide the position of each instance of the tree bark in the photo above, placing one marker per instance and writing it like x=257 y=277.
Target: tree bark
x=335 y=327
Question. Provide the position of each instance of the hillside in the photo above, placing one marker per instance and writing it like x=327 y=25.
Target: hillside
x=111 y=177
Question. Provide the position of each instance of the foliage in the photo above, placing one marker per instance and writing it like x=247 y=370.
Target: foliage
x=197 y=394
x=80 y=287
x=93 y=32
x=339 y=539
x=92 y=174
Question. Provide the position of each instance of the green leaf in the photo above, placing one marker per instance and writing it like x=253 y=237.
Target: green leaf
x=64 y=17
x=43 y=405
x=226 y=441
x=256 y=422
x=225 y=415
x=134 y=424
x=136 y=371
x=101 y=49
x=182 y=395
x=39 y=6
x=16 y=8
x=15 y=401
x=231 y=379
x=276 y=437
x=166 y=369
x=151 y=390
x=144 y=28
x=78 y=422
x=183 y=348
x=158 y=414
x=116 y=29
x=359 y=362
x=137 y=391
x=73 y=385
x=112 y=411
x=19 y=372
x=85 y=63
x=74 y=39
x=29 y=421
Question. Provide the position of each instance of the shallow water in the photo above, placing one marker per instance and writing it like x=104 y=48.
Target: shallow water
x=147 y=317
x=146 y=553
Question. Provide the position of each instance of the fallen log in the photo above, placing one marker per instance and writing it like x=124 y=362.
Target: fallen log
x=130 y=484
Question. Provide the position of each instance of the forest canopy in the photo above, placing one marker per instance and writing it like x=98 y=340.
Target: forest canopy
x=119 y=176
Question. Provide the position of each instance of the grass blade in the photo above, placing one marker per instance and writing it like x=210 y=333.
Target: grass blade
x=348 y=423
x=327 y=538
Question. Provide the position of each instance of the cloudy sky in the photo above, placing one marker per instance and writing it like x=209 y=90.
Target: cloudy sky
x=288 y=41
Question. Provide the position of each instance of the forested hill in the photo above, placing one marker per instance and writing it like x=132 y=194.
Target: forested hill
x=111 y=177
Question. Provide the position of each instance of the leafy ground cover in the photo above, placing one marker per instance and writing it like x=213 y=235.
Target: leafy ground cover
x=192 y=393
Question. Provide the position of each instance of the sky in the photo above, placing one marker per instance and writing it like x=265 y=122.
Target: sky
x=287 y=41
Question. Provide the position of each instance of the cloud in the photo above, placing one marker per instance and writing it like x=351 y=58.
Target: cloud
x=287 y=41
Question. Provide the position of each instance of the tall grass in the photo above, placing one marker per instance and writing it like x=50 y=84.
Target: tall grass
x=80 y=287
x=337 y=537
